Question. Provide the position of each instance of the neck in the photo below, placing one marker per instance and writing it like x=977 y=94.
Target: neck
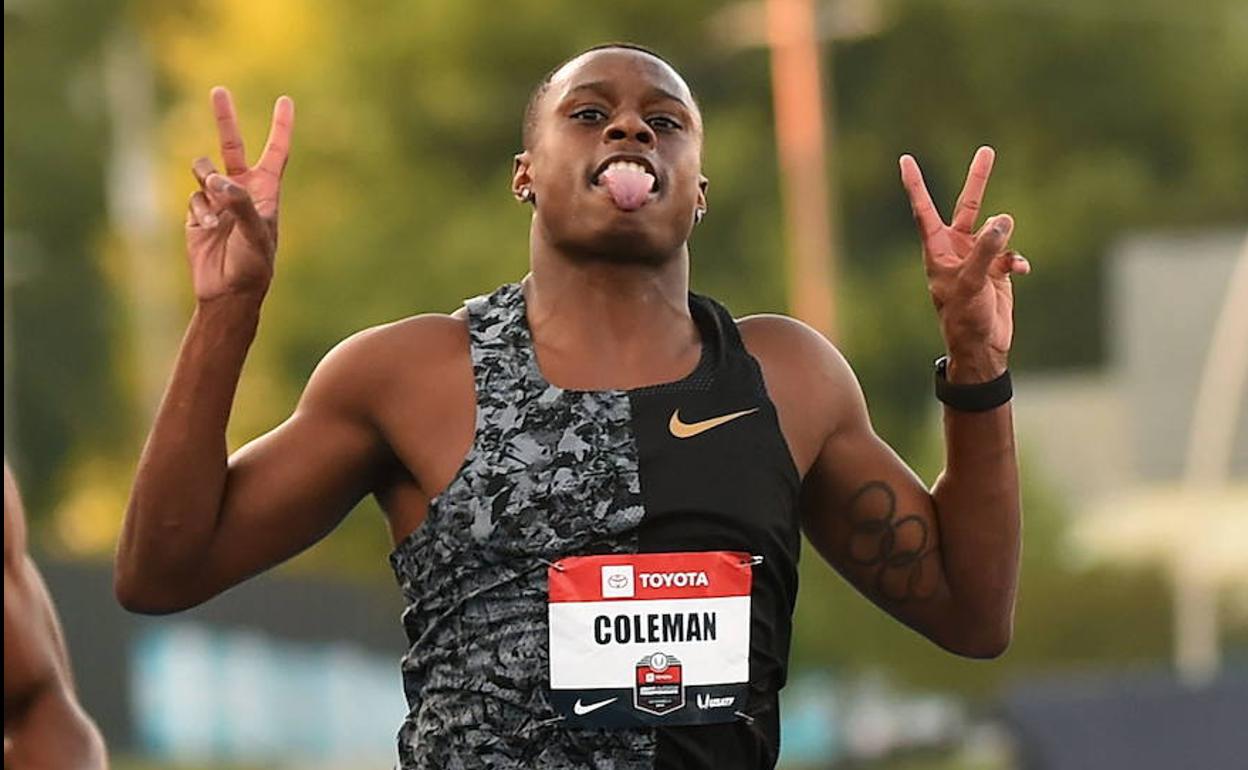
x=615 y=313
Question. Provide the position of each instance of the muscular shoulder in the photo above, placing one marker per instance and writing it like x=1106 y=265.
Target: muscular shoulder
x=428 y=337
x=365 y=370
x=790 y=350
x=790 y=343
x=805 y=374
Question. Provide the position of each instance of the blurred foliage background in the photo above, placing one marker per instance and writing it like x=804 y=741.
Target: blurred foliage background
x=1108 y=116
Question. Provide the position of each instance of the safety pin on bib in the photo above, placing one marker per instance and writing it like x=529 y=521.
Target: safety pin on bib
x=753 y=561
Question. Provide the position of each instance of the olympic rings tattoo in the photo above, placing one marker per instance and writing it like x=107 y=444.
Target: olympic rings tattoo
x=896 y=548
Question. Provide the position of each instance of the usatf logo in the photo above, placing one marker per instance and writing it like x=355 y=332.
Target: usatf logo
x=706 y=701
x=617 y=581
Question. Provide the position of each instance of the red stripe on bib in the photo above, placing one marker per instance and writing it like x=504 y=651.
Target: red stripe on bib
x=683 y=575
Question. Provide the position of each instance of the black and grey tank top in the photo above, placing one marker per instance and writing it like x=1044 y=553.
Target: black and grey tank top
x=555 y=473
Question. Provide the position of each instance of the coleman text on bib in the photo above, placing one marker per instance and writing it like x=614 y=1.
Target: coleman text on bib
x=650 y=638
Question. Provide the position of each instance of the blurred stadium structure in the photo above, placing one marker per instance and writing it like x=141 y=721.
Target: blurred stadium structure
x=1140 y=722
x=278 y=673
x=1120 y=442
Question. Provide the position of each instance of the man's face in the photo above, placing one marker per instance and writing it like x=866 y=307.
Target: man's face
x=610 y=106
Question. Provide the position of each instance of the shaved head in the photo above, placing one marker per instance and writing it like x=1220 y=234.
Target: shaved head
x=611 y=105
x=529 y=127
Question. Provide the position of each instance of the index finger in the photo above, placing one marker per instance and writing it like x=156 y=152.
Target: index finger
x=925 y=213
x=232 y=152
x=967 y=210
x=277 y=147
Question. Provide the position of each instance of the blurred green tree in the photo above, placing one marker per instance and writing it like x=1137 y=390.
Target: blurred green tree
x=64 y=397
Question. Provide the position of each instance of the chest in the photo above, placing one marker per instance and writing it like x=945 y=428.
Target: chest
x=727 y=444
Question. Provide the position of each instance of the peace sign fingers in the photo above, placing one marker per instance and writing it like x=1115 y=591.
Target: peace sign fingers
x=967 y=210
x=925 y=214
x=232 y=152
x=277 y=147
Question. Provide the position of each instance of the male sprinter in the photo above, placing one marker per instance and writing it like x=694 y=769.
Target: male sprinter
x=594 y=479
x=44 y=727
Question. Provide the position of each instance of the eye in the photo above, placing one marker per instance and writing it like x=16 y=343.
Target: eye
x=589 y=115
x=663 y=123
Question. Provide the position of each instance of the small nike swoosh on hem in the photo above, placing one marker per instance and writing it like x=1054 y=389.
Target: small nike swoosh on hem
x=690 y=429
x=581 y=710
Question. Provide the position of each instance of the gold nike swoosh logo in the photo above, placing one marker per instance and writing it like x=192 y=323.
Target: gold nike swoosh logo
x=690 y=429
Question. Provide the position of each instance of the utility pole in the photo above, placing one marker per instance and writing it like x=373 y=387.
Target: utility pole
x=792 y=31
x=809 y=205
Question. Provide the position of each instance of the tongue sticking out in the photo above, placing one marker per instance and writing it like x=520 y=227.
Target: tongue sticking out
x=628 y=187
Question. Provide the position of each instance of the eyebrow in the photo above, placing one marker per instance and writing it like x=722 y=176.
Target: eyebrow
x=604 y=89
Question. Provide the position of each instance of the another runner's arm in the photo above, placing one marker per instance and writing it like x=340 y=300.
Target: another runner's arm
x=43 y=724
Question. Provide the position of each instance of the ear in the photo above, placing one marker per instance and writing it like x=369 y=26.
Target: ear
x=703 y=183
x=521 y=180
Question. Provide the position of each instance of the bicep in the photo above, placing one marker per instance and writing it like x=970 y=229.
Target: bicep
x=289 y=488
x=873 y=520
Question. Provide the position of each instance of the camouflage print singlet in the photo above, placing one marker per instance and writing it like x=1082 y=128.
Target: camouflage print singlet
x=553 y=473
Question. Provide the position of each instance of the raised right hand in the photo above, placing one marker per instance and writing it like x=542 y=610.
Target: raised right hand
x=231 y=222
x=968 y=272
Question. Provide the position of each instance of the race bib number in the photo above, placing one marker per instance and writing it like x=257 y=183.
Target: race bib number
x=650 y=638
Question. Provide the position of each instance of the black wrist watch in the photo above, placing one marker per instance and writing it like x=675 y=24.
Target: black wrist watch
x=979 y=397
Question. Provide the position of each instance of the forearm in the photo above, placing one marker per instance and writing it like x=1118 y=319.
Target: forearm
x=180 y=483
x=54 y=733
x=976 y=501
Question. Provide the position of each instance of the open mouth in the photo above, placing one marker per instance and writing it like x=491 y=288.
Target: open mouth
x=625 y=165
x=629 y=180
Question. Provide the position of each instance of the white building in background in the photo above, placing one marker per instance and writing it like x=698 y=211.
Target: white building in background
x=1095 y=433
x=1118 y=442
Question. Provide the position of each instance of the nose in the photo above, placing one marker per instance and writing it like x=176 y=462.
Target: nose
x=629 y=125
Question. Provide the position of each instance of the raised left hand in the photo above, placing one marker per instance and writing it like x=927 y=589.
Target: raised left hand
x=231 y=221
x=968 y=272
